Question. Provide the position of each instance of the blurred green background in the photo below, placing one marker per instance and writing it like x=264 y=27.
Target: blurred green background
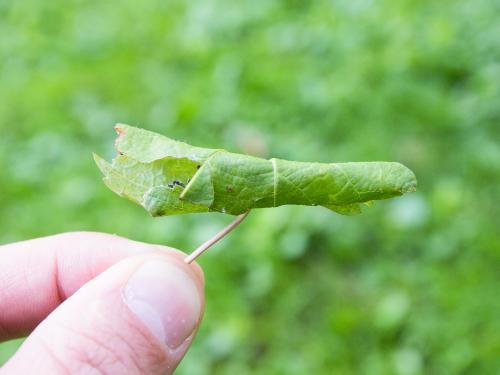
x=409 y=287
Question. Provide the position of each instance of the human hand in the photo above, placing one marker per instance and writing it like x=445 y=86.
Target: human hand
x=97 y=304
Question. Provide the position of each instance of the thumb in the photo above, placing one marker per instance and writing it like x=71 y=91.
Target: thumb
x=138 y=317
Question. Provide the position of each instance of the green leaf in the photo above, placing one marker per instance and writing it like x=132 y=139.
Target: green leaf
x=168 y=177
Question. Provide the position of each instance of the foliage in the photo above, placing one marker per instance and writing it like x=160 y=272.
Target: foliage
x=169 y=177
x=410 y=287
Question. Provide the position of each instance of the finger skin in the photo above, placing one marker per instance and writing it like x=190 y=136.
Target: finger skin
x=95 y=332
x=37 y=275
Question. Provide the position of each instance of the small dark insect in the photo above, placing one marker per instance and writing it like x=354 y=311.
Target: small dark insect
x=198 y=166
x=175 y=183
x=229 y=188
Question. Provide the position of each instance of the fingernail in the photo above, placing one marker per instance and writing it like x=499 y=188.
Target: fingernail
x=165 y=298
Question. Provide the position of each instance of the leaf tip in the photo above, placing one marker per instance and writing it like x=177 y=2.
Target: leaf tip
x=102 y=164
x=97 y=158
x=121 y=130
x=410 y=184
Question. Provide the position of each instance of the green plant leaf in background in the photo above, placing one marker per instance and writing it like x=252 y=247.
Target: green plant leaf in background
x=168 y=177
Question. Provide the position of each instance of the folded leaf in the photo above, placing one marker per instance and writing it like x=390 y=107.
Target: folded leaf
x=168 y=177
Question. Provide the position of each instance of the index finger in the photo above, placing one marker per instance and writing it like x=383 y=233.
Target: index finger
x=38 y=275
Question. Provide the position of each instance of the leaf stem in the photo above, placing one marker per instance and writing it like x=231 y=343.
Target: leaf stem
x=206 y=245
